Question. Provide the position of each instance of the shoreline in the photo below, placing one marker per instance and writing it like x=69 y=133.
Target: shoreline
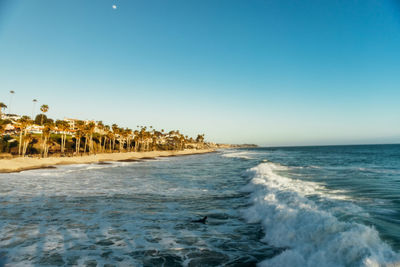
x=24 y=164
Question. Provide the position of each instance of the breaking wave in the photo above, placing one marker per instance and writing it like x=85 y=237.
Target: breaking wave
x=308 y=233
x=240 y=155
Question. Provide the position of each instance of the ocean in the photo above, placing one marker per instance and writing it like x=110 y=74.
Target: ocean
x=288 y=206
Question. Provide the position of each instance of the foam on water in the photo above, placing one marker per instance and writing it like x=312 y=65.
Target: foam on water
x=239 y=154
x=315 y=213
x=127 y=214
x=311 y=234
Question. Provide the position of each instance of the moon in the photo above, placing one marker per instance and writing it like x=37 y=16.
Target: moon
x=114 y=6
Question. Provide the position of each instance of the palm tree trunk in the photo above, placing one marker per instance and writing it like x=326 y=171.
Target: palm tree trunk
x=84 y=150
x=43 y=145
x=45 y=148
x=20 y=143
x=65 y=138
x=62 y=143
x=24 y=148
x=103 y=149
x=91 y=144
x=78 y=145
x=101 y=141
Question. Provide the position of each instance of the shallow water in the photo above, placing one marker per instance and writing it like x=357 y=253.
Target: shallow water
x=315 y=206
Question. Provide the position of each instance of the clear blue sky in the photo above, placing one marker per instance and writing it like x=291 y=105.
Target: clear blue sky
x=271 y=72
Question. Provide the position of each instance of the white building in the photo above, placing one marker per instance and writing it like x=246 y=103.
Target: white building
x=13 y=117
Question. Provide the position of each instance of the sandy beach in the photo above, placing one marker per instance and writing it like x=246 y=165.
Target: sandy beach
x=27 y=163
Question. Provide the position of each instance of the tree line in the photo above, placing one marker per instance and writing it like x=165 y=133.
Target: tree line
x=79 y=137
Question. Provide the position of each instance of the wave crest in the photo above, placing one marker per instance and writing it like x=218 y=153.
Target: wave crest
x=239 y=154
x=312 y=236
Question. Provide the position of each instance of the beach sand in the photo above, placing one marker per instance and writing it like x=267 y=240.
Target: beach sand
x=27 y=163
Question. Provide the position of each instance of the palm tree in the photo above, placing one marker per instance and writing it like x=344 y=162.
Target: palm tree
x=62 y=126
x=90 y=130
x=27 y=139
x=121 y=138
x=78 y=135
x=46 y=132
x=154 y=143
x=148 y=140
x=106 y=131
x=11 y=97
x=100 y=126
x=175 y=141
x=85 y=132
x=181 y=142
x=142 y=139
x=200 y=140
x=33 y=108
x=158 y=137
x=115 y=131
x=43 y=109
x=128 y=138
x=136 y=140
x=111 y=137
x=2 y=106
x=23 y=124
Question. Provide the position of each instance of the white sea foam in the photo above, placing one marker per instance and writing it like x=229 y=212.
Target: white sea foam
x=127 y=216
x=311 y=235
x=239 y=154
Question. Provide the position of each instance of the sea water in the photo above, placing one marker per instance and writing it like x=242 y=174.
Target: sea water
x=297 y=206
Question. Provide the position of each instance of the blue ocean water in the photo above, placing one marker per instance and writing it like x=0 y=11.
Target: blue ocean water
x=293 y=206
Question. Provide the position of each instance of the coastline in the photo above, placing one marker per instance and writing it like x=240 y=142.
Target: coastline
x=26 y=163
